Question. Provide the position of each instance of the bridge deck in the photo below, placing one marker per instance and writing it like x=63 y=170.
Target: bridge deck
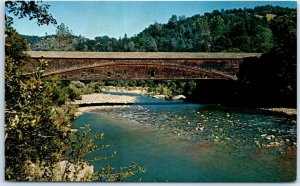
x=139 y=55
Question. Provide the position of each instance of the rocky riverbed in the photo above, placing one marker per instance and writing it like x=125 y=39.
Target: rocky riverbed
x=206 y=126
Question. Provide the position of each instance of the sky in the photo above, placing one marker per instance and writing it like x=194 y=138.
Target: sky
x=114 y=19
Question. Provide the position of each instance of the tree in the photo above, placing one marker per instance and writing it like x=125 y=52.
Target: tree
x=37 y=128
x=263 y=39
x=31 y=135
x=64 y=38
x=172 y=21
x=221 y=43
x=148 y=44
x=273 y=77
x=81 y=45
x=217 y=25
x=130 y=47
x=284 y=29
x=202 y=38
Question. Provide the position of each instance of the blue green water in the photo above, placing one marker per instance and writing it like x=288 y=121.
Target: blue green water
x=182 y=142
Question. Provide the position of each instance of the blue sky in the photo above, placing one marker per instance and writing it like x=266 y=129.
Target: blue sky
x=94 y=18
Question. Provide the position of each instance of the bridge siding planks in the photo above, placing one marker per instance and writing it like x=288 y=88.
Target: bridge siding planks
x=141 y=65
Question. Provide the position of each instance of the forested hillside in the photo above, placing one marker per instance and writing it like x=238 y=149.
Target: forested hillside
x=270 y=80
x=236 y=30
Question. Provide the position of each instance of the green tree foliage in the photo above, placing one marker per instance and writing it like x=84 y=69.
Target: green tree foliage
x=63 y=38
x=202 y=34
x=263 y=40
x=284 y=29
x=272 y=78
x=31 y=133
x=37 y=122
x=237 y=30
x=30 y=9
x=147 y=44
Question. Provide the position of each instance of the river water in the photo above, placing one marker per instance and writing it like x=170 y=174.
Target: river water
x=183 y=142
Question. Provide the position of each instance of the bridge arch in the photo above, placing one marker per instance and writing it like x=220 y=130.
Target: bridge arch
x=137 y=71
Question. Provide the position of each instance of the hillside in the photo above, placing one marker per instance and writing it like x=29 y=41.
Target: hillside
x=237 y=30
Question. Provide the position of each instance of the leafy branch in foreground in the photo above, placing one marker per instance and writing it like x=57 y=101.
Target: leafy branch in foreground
x=30 y=9
x=30 y=135
x=82 y=145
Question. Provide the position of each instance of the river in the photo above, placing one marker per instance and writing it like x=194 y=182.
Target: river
x=183 y=142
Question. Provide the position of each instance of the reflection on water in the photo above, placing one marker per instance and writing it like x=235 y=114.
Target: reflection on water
x=189 y=142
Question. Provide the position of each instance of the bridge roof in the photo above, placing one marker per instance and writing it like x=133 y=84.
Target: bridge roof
x=140 y=55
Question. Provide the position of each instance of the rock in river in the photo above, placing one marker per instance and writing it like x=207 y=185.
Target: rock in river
x=178 y=97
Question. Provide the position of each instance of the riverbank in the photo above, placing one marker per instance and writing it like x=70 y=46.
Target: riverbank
x=102 y=99
x=96 y=101
x=142 y=91
x=105 y=98
x=292 y=112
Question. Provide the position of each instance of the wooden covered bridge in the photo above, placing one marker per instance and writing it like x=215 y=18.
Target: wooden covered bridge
x=140 y=65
